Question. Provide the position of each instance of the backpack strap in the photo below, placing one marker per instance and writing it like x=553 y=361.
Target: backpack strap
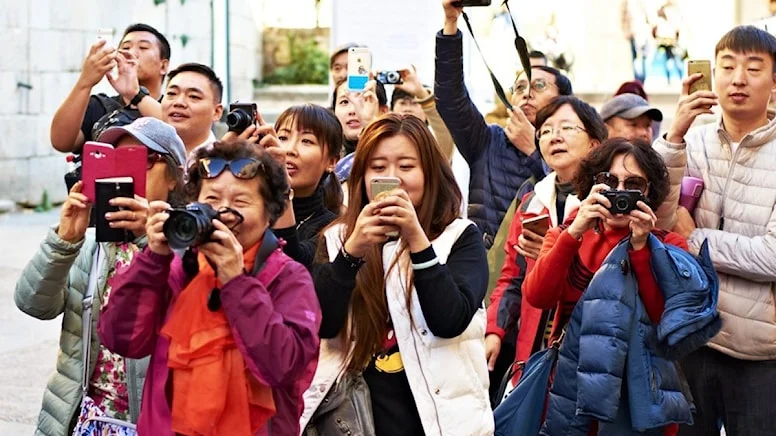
x=86 y=316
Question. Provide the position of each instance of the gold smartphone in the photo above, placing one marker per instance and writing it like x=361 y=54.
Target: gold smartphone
x=380 y=188
x=703 y=67
x=539 y=224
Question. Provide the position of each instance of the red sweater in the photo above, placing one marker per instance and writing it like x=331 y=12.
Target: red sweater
x=547 y=286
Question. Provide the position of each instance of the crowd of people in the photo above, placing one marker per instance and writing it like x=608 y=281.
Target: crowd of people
x=319 y=303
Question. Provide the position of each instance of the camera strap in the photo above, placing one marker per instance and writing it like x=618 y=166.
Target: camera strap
x=520 y=46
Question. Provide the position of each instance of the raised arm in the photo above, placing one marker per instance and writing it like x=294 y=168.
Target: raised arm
x=41 y=291
x=276 y=329
x=139 y=298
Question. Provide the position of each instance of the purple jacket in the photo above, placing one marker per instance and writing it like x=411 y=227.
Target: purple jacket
x=274 y=317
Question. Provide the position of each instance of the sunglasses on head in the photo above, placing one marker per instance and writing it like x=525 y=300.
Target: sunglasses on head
x=633 y=183
x=244 y=168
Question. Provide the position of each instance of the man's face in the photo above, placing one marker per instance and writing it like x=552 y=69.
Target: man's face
x=190 y=105
x=408 y=106
x=339 y=68
x=531 y=99
x=637 y=128
x=145 y=47
x=744 y=82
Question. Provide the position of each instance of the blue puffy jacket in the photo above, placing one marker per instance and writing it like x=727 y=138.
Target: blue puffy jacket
x=615 y=366
x=498 y=168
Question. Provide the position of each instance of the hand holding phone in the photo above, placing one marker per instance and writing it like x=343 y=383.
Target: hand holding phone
x=538 y=224
x=380 y=187
x=102 y=161
x=359 y=66
x=106 y=190
x=702 y=67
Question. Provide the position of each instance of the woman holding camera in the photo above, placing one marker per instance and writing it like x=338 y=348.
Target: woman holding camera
x=619 y=184
x=58 y=277
x=232 y=327
x=311 y=137
x=401 y=286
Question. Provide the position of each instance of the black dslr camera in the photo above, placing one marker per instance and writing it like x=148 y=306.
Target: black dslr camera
x=189 y=226
x=623 y=201
x=241 y=116
x=467 y=3
x=389 y=77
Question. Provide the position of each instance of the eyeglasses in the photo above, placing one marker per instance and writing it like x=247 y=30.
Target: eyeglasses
x=538 y=86
x=153 y=158
x=244 y=168
x=633 y=183
x=565 y=130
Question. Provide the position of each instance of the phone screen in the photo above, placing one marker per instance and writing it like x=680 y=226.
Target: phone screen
x=359 y=66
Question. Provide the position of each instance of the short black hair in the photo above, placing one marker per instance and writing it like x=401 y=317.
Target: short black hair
x=215 y=82
x=594 y=125
x=747 y=39
x=600 y=160
x=561 y=81
x=400 y=94
x=536 y=54
x=164 y=45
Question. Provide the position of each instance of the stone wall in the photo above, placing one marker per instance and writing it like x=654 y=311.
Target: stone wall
x=45 y=42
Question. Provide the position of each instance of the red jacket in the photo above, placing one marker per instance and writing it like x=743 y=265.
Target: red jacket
x=274 y=317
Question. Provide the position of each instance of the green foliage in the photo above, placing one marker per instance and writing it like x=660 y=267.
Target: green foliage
x=309 y=64
x=45 y=203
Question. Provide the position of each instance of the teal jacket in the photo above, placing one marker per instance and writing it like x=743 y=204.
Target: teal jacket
x=54 y=282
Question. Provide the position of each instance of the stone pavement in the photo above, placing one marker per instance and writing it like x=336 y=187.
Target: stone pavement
x=28 y=347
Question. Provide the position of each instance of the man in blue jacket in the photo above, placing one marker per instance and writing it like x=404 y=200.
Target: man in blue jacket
x=500 y=159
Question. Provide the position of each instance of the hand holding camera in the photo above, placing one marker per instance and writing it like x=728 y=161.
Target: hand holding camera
x=157 y=240
x=642 y=222
x=411 y=83
x=593 y=208
x=224 y=251
x=75 y=214
x=132 y=214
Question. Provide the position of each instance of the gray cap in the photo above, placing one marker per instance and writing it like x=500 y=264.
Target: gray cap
x=153 y=133
x=629 y=106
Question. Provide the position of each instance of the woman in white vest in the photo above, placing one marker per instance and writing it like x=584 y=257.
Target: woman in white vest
x=403 y=288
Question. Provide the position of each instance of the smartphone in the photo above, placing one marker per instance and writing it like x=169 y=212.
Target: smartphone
x=468 y=3
x=539 y=224
x=380 y=188
x=359 y=66
x=102 y=161
x=107 y=35
x=703 y=67
x=105 y=190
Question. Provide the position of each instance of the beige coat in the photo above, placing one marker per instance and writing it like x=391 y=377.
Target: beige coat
x=736 y=214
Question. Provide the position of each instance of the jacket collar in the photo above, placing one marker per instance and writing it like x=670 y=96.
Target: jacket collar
x=755 y=138
x=544 y=199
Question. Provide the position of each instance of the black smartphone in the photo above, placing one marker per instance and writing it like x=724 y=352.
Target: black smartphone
x=104 y=191
x=469 y=3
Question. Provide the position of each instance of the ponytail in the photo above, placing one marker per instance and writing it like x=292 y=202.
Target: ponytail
x=332 y=193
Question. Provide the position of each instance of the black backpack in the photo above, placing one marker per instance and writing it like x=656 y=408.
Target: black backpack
x=116 y=114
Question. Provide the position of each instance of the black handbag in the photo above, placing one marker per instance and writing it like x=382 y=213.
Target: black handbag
x=346 y=409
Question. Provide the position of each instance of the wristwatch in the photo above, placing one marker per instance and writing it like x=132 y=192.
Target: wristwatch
x=139 y=96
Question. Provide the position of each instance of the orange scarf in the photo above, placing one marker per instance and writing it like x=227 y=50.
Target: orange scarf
x=213 y=393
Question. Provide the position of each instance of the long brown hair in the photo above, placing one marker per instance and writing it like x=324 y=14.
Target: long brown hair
x=440 y=206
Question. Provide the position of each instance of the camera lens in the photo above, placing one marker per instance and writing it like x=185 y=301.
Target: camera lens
x=393 y=77
x=189 y=227
x=622 y=203
x=238 y=120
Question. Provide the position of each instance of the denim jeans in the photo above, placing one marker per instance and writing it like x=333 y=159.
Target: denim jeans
x=741 y=394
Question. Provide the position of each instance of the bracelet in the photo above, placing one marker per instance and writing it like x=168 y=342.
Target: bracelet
x=426 y=101
x=425 y=265
x=354 y=261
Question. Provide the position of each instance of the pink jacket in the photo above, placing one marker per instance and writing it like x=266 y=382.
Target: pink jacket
x=275 y=319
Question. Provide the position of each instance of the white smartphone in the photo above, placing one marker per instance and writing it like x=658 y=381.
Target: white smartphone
x=107 y=35
x=359 y=66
